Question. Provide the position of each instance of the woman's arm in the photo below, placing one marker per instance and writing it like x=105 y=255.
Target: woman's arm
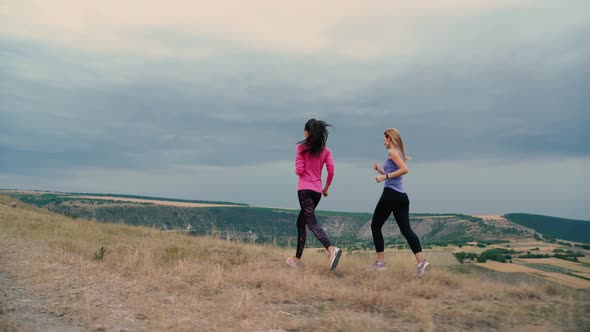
x=330 y=168
x=299 y=161
x=396 y=157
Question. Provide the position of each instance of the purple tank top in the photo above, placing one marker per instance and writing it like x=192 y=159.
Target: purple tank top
x=396 y=183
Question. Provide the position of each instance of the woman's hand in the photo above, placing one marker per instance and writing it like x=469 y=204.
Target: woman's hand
x=378 y=168
x=325 y=192
x=380 y=178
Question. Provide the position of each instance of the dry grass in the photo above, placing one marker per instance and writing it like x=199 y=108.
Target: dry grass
x=151 y=280
x=442 y=257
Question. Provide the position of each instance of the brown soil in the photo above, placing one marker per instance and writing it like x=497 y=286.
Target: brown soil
x=20 y=310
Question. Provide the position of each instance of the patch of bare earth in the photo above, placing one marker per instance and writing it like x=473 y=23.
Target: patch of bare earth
x=21 y=309
x=65 y=295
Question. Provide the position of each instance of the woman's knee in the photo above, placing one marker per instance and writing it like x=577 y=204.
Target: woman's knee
x=376 y=226
x=407 y=232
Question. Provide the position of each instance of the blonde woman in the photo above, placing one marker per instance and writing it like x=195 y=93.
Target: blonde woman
x=394 y=200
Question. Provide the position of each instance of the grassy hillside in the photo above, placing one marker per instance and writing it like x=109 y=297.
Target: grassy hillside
x=271 y=225
x=560 y=228
x=147 y=279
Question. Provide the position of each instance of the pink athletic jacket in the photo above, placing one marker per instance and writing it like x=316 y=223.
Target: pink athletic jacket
x=309 y=169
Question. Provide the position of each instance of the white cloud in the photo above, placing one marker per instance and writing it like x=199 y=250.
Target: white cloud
x=356 y=29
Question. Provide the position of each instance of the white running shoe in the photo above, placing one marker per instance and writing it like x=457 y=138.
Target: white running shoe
x=335 y=257
x=422 y=268
x=377 y=266
x=293 y=263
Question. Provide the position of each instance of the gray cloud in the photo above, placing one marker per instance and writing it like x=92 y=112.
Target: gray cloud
x=480 y=96
x=508 y=105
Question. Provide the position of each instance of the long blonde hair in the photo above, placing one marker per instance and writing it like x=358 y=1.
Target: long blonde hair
x=396 y=139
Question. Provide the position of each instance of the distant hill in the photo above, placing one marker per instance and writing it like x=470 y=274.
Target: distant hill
x=44 y=197
x=161 y=199
x=270 y=225
x=560 y=228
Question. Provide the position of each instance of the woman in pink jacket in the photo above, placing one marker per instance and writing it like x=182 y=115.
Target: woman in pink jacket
x=312 y=155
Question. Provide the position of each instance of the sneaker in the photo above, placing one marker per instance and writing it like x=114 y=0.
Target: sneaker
x=293 y=263
x=335 y=257
x=377 y=266
x=422 y=268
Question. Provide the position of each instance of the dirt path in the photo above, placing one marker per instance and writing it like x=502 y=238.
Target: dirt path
x=21 y=311
x=38 y=293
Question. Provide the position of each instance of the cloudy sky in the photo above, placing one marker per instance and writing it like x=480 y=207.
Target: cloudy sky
x=206 y=99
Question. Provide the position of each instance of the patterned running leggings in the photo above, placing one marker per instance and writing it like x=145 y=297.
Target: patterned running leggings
x=309 y=200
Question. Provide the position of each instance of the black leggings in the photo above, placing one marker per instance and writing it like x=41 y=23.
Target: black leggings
x=309 y=200
x=399 y=204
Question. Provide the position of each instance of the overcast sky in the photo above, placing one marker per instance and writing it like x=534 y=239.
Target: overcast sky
x=206 y=99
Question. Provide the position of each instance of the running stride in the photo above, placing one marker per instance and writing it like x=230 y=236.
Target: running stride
x=311 y=156
x=394 y=199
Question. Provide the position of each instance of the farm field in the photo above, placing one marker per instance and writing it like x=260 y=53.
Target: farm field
x=582 y=274
x=507 y=267
x=553 y=270
x=114 y=199
x=556 y=262
x=557 y=277
x=537 y=247
x=571 y=274
x=565 y=279
x=151 y=201
x=533 y=245
x=556 y=270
